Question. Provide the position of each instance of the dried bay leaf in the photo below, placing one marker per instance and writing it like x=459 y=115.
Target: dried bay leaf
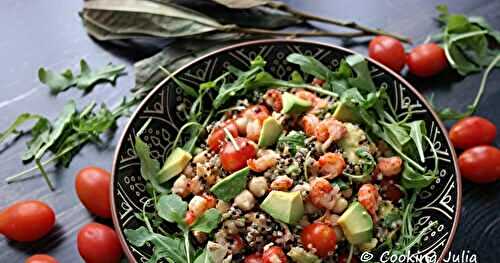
x=242 y=4
x=110 y=19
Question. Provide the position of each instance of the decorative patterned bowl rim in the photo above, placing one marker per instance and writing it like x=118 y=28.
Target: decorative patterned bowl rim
x=413 y=90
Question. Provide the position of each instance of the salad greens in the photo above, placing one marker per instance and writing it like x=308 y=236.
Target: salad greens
x=65 y=136
x=85 y=80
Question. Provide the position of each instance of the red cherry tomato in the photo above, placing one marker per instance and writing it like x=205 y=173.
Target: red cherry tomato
x=472 y=131
x=273 y=254
x=26 y=221
x=253 y=258
x=388 y=51
x=41 y=258
x=92 y=187
x=480 y=164
x=98 y=243
x=427 y=60
x=218 y=137
x=232 y=159
x=320 y=236
x=390 y=190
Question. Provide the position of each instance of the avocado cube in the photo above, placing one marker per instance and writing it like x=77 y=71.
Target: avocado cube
x=293 y=104
x=270 y=132
x=284 y=206
x=345 y=113
x=356 y=224
x=174 y=164
x=232 y=185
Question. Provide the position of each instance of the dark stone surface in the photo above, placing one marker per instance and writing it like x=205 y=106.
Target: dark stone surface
x=48 y=33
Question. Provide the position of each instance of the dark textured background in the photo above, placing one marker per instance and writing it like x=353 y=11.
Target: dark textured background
x=48 y=33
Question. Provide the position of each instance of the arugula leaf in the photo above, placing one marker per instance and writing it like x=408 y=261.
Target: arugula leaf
x=172 y=208
x=417 y=132
x=363 y=80
x=85 y=81
x=239 y=87
x=56 y=82
x=465 y=42
x=342 y=184
x=411 y=179
x=138 y=237
x=67 y=134
x=309 y=65
x=204 y=257
x=20 y=120
x=293 y=140
x=87 y=78
x=208 y=221
x=368 y=164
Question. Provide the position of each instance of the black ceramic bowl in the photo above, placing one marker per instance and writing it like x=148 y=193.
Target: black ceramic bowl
x=439 y=202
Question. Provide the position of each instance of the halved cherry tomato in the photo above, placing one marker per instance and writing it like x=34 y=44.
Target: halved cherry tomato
x=27 y=221
x=98 y=243
x=217 y=138
x=480 y=164
x=426 y=60
x=320 y=236
x=41 y=258
x=472 y=131
x=388 y=51
x=235 y=159
x=253 y=258
x=274 y=255
x=92 y=187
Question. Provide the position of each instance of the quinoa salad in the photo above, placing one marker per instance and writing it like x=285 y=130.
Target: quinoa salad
x=316 y=168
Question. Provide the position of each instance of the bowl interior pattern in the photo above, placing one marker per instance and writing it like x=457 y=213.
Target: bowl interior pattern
x=439 y=202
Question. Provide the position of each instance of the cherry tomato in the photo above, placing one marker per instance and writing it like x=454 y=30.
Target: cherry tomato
x=41 y=258
x=233 y=160
x=320 y=236
x=390 y=190
x=253 y=258
x=480 y=164
x=98 y=243
x=427 y=60
x=472 y=131
x=26 y=221
x=92 y=187
x=218 y=137
x=388 y=51
x=273 y=254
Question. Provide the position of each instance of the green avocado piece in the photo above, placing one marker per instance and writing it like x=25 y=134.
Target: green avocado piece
x=294 y=104
x=284 y=206
x=357 y=224
x=174 y=164
x=345 y=113
x=229 y=187
x=299 y=255
x=270 y=132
